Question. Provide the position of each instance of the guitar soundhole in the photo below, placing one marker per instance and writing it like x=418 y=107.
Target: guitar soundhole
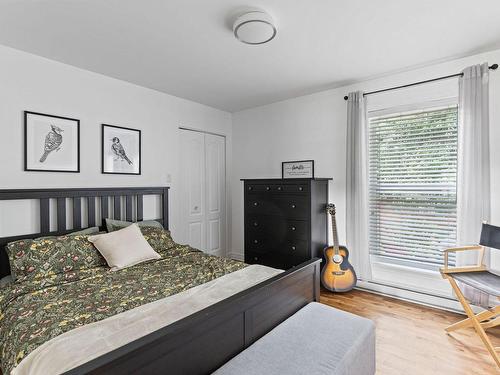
x=337 y=258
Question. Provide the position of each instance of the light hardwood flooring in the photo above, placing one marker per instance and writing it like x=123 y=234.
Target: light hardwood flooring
x=411 y=338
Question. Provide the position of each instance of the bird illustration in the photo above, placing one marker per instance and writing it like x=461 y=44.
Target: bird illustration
x=53 y=141
x=118 y=150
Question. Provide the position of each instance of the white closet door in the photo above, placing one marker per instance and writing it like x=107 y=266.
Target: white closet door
x=203 y=191
x=215 y=157
x=193 y=189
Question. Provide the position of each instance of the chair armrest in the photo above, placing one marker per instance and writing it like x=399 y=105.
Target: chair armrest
x=478 y=267
x=462 y=248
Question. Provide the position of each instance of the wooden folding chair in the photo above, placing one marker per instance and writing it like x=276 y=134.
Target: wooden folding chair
x=480 y=278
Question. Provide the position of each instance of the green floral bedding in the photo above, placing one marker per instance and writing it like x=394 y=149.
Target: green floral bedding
x=44 y=257
x=35 y=310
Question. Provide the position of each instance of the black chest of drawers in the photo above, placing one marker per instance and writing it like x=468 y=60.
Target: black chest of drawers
x=285 y=220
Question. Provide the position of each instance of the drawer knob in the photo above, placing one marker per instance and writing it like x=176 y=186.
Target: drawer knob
x=301 y=188
x=293 y=247
x=255 y=204
x=255 y=258
x=293 y=206
x=293 y=228
x=249 y=188
x=255 y=224
x=268 y=188
x=255 y=241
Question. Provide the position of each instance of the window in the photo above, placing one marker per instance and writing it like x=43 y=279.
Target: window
x=412 y=186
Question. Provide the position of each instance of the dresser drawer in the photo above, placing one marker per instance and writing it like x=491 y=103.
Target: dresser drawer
x=294 y=248
x=259 y=226
x=297 y=229
x=299 y=188
x=293 y=206
x=261 y=204
x=290 y=206
x=267 y=188
x=264 y=243
x=275 y=260
x=277 y=188
x=270 y=260
x=264 y=226
x=260 y=244
x=256 y=188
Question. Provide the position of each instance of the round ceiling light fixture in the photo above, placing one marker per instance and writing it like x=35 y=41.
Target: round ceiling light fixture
x=255 y=27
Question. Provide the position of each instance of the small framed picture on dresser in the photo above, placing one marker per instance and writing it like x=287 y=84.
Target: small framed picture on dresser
x=121 y=150
x=51 y=143
x=297 y=169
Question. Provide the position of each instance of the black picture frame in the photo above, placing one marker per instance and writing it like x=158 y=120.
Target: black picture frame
x=103 y=167
x=26 y=167
x=297 y=162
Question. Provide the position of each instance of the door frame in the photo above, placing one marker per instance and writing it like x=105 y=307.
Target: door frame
x=228 y=252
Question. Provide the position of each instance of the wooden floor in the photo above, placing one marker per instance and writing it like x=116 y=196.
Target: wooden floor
x=411 y=338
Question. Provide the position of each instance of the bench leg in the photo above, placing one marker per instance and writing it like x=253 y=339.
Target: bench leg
x=475 y=322
x=316 y=282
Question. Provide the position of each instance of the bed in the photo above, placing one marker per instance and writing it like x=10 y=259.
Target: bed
x=189 y=333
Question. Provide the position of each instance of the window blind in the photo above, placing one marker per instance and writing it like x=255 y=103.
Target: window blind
x=412 y=185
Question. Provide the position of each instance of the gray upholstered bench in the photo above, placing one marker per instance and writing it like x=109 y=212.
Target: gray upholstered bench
x=318 y=339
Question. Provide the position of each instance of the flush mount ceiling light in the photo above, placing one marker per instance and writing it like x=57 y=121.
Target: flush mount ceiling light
x=255 y=27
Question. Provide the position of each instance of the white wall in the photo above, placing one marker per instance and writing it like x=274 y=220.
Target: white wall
x=308 y=127
x=29 y=82
x=314 y=127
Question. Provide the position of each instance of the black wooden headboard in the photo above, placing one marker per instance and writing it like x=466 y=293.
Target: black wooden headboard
x=132 y=196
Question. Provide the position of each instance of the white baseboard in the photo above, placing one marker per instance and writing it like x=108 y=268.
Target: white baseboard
x=236 y=256
x=438 y=302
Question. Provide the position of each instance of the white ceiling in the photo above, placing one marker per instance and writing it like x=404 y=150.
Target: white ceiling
x=186 y=47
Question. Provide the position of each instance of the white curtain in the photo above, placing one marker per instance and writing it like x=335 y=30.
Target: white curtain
x=473 y=179
x=357 y=185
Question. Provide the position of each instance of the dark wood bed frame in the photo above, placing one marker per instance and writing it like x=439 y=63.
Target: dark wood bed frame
x=198 y=343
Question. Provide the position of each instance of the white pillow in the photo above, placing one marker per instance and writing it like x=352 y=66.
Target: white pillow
x=124 y=248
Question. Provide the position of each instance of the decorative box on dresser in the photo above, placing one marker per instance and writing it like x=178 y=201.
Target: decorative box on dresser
x=285 y=220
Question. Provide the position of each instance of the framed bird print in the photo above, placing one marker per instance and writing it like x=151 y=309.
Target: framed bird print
x=121 y=150
x=51 y=143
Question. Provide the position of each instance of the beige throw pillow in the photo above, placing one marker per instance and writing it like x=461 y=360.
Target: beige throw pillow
x=124 y=248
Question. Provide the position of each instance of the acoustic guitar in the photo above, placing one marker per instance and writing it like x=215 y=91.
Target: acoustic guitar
x=338 y=274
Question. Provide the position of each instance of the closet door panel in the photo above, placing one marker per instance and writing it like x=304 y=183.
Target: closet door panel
x=214 y=235
x=215 y=193
x=195 y=231
x=193 y=188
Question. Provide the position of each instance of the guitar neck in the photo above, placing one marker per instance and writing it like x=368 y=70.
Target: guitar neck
x=335 y=234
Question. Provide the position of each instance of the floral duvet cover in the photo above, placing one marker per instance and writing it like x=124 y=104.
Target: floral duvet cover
x=33 y=311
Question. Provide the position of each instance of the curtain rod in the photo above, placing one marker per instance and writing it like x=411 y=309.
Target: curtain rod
x=492 y=67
